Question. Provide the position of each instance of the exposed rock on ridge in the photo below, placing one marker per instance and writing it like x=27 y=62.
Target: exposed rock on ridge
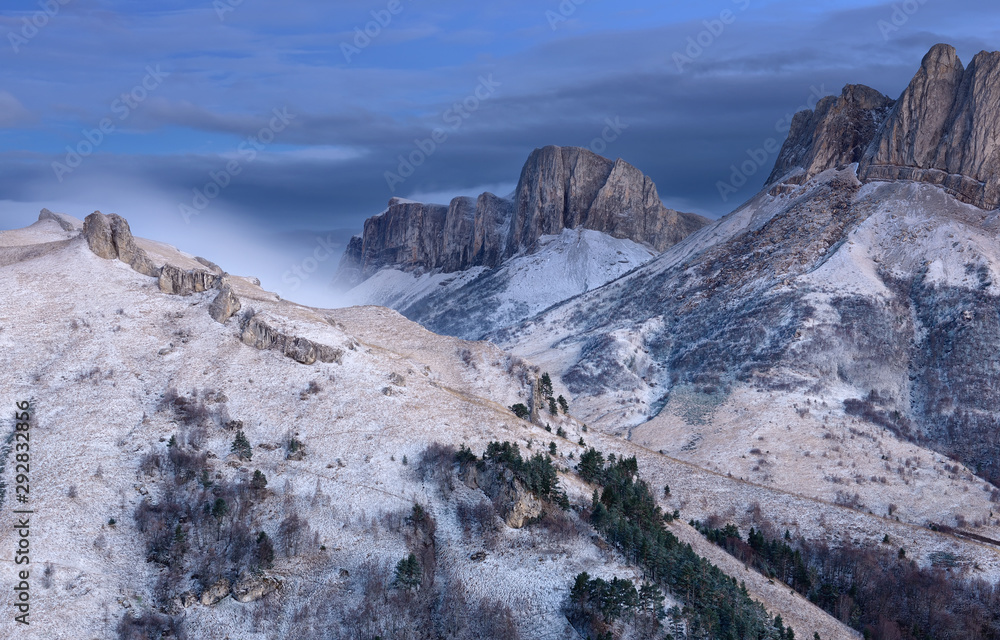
x=559 y=188
x=944 y=129
x=179 y=282
x=67 y=223
x=257 y=333
x=109 y=237
x=837 y=133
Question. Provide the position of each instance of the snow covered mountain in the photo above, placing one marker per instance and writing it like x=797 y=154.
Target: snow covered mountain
x=844 y=315
x=209 y=461
x=575 y=222
x=818 y=370
x=477 y=300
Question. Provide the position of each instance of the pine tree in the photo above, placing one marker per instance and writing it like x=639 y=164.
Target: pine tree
x=545 y=385
x=552 y=449
x=264 y=553
x=408 y=573
x=259 y=480
x=591 y=465
x=563 y=404
x=520 y=410
x=241 y=446
x=553 y=408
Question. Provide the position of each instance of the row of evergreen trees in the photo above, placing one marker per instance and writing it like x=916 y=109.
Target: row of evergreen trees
x=624 y=511
x=537 y=473
x=876 y=590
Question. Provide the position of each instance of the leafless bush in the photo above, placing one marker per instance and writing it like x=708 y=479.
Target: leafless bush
x=187 y=411
x=479 y=519
x=150 y=625
x=47 y=575
x=465 y=354
x=294 y=532
x=438 y=462
x=150 y=464
x=851 y=501
x=311 y=390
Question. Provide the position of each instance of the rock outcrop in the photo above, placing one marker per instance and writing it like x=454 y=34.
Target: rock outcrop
x=568 y=188
x=944 y=129
x=109 y=237
x=215 y=593
x=836 y=133
x=67 y=223
x=513 y=502
x=559 y=188
x=225 y=305
x=250 y=588
x=257 y=333
x=178 y=282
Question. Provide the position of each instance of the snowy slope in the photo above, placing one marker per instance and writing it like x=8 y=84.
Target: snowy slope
x=476 y=301
x=754 y=333
x=96 y=346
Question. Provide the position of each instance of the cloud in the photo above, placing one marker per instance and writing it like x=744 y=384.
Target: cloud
x=12 y=112
x=685 y=128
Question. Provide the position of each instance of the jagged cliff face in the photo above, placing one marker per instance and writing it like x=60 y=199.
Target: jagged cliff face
x=943 y=130
x=869 y=288
x=559 y=188
x=837 y=133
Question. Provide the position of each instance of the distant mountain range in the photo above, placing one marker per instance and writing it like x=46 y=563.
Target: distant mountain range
x=784 y=423
x=575 y=222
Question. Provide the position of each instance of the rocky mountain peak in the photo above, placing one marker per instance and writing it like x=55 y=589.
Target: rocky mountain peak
x=836 y=133
x=559 y=188
x=942 y=130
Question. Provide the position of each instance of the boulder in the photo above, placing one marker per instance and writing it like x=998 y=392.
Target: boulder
x=177 y=281
x=250 y=588
x=224 y=305
x=97 y=231
x=126 y=248
x=110 y=237
x=215 y=593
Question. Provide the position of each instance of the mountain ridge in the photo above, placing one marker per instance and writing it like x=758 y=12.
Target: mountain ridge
x=559 y=188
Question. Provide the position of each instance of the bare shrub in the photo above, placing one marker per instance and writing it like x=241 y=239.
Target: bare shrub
x=47 y=575
x=561 y=528
x=293 y=532
x=149 y=625
x=150 y=464
x=438 y=462
x=465 y=354
x=851 y=501
x=479 y=519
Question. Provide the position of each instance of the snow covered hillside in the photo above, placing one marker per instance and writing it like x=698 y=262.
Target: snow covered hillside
x=471 y=303
x=130 y=386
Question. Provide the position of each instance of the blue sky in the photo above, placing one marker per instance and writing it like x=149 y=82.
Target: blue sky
x=349 y=105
